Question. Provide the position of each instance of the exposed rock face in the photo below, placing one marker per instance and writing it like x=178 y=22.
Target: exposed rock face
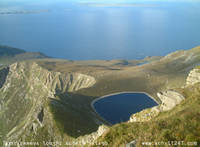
x=24 y=97
x=193 y=77
x=54 y=81
x=169 y=99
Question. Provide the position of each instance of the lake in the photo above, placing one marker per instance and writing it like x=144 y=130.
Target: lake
x=119 y=107
x=85 y=31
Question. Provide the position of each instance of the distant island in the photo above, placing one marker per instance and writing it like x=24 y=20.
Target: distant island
x=22 y=11
x=116 y=4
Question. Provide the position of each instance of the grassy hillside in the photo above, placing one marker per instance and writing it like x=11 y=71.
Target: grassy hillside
x=34 y=88
x=179 y=124
x=166 y=73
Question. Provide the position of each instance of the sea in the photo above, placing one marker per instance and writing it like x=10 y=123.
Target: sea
x=100 y=30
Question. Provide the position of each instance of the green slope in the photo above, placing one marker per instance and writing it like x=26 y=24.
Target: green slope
x=179 y=124
x=35 y=88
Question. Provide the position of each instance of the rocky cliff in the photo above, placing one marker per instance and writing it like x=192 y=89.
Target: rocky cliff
x=170 y=99
x=193 y=77
x=24 y=99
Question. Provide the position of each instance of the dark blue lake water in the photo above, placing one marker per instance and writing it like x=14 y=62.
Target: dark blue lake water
x=77 y=31
x=118 y=108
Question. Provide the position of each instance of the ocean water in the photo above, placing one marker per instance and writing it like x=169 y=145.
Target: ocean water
x=79 y=31
x=118 y=108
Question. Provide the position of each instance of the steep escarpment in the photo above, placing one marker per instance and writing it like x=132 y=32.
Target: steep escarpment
x=25 y=96
x=53 y=81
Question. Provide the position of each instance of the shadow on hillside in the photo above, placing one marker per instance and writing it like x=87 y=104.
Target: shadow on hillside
x=3 y=75
x=73 y=114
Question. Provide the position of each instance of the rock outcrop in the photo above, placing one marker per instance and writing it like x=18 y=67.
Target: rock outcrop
x=193 y=77
x=24 y=97
x=169 y=99
x=54 y=81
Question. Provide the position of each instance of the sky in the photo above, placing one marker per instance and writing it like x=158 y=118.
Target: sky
x=99 y=1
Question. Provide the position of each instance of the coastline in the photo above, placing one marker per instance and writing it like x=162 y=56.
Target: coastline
x=105 y=96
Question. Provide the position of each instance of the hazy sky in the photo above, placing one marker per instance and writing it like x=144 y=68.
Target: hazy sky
x=102 y=1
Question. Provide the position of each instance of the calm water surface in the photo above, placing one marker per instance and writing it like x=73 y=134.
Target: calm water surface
x=118 y=108
x=71 y=30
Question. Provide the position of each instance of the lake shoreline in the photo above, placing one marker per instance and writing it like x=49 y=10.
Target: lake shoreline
x=117 y=93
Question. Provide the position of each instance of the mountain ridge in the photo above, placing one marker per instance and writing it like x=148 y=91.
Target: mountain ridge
x=49 y=99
